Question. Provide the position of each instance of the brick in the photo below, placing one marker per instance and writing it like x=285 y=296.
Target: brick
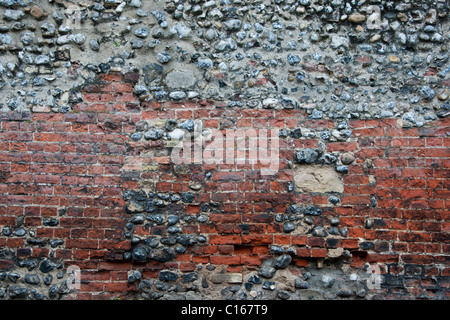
x=223 y=239
x=225 y=260
x=120 y=287
x=225 y=218
x=252 y=260
x=318 y=253
x=256 y=239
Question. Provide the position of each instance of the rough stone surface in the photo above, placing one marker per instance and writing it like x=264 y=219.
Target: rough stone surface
x=317 y=179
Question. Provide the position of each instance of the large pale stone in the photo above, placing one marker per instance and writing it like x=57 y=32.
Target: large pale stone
x=180 y=79
x=335 y=253
x=226 y=278
x=316 y=178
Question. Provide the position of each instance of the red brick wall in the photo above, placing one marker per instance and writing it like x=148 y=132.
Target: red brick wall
x=83 y=161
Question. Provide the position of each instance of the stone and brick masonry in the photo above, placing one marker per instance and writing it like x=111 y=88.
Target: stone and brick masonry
x=77 y=190
x=93 y=205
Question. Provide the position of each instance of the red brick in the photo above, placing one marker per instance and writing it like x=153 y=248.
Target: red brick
x=225 y=260
x=225 y=239
x=318 y=253
x=119 y=287
x=256 y=239
x=251 y=260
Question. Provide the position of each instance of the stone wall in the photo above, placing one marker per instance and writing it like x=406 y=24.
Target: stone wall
x=348 y=98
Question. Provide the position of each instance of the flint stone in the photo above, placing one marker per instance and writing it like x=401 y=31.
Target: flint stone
x=293 y=59
x=172 y=219
x=344 y=292
x=136 y=44
x=46 y=266
x=327 y=281
x=156 y=218
x=267 y=272
x=170 y=124
x=152 y=72
x=174 y=229
x=48 y=279
x=366 y=245
x=153 y=134
x=163 y=57
x=301 y=284
x=140 y=253
x=177 y=95
x=13 y=15
x=283 y=295
x=52 y=222
x=188 y=125
x=427 y=93
x=307 y=156
x=190 y=277
x=140 y=90
x=269 y=285
x=255 y=279
x=6 y=231
x=13 y=276
x=186 y=240
x=338 y=41
x=17 y=292
x=27 y=38
x=20 y=232
x=319 y=232
x=361 y=293
x=341 y=169
x=313 y=211
x=181 y=29
x=334 y=200
x=276 y=249
x=334 y=221
x=176 y=134
x=232 y=25
x=95 y=46
x=187 y=197
x=167 y=276
x=12 y=3
x=5 y=39
x=288 y=227
x=32 y=279
x=226 y=45
x=136 y=136
x=283 y=261
x=204 y=63
x=141 y=32
x=343 y=231
x=137 y=219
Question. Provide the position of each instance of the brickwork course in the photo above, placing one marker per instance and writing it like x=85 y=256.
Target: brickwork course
x=247 y=150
